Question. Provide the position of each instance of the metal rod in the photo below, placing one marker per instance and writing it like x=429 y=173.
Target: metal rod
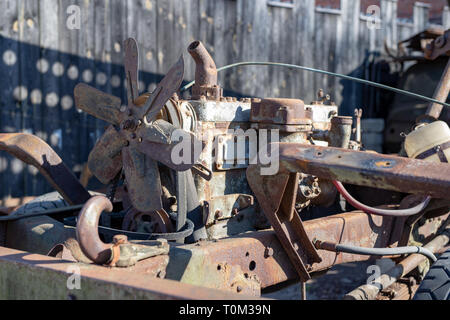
x=441 y=94
x=370 y=291
x=293 y=66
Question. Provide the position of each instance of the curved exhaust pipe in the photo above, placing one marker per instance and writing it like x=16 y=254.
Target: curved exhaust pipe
x=205 y=73
x=87 y=230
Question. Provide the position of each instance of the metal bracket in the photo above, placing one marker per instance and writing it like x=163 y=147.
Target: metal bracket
x=276 y=196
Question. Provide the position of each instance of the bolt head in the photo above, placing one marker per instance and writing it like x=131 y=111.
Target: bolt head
x=268 y=252
x=119 y=239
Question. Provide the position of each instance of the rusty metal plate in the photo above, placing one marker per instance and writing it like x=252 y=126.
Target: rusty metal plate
x=34 y=151
x=105 y=159
x=280 y=111
x=34 y=276
x=368 y=169
x=97 y=103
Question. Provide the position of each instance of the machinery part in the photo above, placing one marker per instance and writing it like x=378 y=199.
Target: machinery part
x=293 y=66
x=34 y=276
x=436 y=284
x=34 y=151
x=152 y=222
x=18 y=216
x=367 y=169
x=87 y=230
x=37 y=234
x=383 y=212
x=280 y=112
x=188 y=199
x=340 y=132
x=205 y=73
x=69 y=250
x=336 y=247
x=120 y=253
x=439 y=46
x=277 y=195
x=259 y=254
x=370 y=291
x=358 y=115
x=441 y=94
x=142 y=140
x=429 y=142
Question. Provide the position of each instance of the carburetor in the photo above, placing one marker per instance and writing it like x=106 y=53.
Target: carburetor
x=235 y=132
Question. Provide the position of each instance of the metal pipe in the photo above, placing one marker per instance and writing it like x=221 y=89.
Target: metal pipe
x=205 y=68
x=336 y=247
x=370 y=291
x=87 y=230
x=440 y=94
x=378 y=211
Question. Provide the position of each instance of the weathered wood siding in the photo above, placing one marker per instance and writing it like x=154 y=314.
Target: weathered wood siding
x=41 y=59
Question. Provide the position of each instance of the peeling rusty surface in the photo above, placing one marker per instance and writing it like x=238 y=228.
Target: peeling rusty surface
x=105 y=159
x=205 y=73
x=34 y=276
x=34 y=151
x=97 y=103
x=368 y=169
x=261 y=254
x=280 y=111
x=87 y=230
x=278 y=204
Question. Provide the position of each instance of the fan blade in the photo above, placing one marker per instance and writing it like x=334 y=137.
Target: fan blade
x=143 y=181
x=159 y=131
x=165 y=89
x=160 y=141
x=97 y=103
x=131 y=66
x=105 y=160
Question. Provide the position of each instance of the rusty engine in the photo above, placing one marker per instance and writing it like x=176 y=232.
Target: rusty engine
x=210 y=190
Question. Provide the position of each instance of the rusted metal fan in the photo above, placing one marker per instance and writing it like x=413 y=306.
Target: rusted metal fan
x=135 y=140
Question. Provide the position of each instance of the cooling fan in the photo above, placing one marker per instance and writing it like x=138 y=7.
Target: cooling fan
x=136 y=140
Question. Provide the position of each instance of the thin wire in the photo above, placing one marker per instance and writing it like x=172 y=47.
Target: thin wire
x=293 y=66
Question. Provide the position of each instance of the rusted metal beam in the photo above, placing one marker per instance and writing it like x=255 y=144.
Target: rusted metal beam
x=250 y=261
x=34 y=151
x=32 y=276
x=260 y=256
x=368 y=169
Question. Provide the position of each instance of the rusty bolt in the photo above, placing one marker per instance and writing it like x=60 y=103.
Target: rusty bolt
x=218 y=214
x=162 y=242
x=119 y=239
x=268 y=252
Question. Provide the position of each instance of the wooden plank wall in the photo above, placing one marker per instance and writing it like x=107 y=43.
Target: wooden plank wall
x=41 y=60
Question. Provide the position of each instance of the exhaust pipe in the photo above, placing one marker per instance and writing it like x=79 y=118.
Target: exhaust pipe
x=205 y=73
